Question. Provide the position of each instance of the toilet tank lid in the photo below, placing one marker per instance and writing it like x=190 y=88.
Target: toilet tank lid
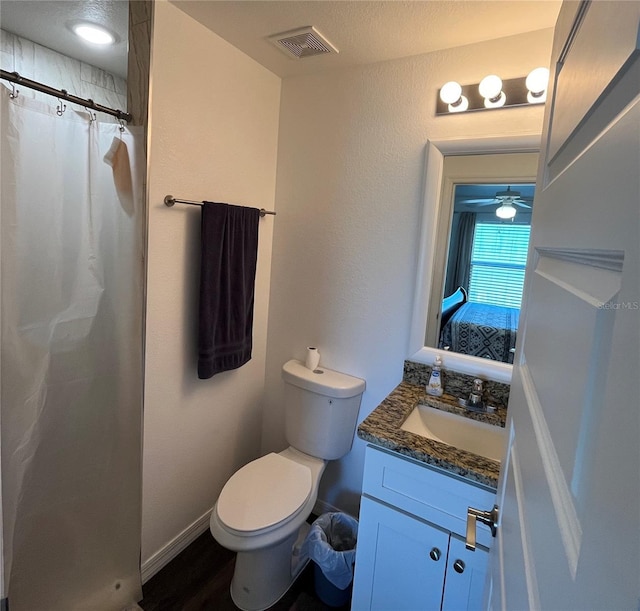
x=325 y=382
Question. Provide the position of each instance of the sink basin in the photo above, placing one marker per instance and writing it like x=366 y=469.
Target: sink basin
x=463 y=433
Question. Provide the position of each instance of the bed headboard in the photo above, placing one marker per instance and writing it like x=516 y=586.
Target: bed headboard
x=451 y=304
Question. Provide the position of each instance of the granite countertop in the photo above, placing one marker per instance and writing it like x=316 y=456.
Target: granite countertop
x=382 y=428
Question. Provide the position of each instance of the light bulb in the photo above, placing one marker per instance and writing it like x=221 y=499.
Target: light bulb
x=537 y=81
x=490 y=89
x=461 y=105
x=94 y=34
x=496 y=102
x=451 y=92
x=506 y=211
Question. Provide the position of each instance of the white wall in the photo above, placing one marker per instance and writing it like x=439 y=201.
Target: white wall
x=213 y=135
x=349 y=196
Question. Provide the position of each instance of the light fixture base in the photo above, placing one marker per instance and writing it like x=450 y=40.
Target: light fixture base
x=514 y=89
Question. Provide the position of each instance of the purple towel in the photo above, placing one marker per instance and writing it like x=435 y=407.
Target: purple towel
x=227 y=287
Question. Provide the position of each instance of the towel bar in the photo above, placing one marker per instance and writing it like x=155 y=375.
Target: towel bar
x=170 y=201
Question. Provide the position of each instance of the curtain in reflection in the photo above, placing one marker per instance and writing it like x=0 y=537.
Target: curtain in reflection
x=459 y=267
x=71 y=246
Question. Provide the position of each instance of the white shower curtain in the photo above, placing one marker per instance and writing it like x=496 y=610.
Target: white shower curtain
x=71 y=280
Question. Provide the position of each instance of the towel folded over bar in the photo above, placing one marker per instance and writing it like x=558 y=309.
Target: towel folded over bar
x=227 y=286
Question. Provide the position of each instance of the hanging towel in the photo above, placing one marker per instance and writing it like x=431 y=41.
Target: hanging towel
x=227 y=287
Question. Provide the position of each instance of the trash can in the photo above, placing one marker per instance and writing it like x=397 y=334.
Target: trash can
x=331 y=544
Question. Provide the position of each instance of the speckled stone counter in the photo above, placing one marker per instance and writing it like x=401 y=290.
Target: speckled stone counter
x=382 y=428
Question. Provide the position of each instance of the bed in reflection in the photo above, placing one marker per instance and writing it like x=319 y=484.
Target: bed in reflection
x=478 y=329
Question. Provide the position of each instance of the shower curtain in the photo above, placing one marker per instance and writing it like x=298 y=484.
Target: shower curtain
x=71 y=295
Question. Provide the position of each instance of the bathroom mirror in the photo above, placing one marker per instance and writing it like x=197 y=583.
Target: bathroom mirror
x=476 y=294
x=470 y=168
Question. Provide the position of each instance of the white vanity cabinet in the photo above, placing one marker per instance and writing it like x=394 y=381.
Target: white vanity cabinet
x=411 y=552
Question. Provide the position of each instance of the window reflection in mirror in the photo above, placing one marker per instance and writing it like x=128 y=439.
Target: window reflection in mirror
x=484 y=276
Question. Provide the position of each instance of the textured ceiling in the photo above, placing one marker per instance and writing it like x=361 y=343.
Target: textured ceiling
x=363 y=31
x=367 y=32
x=47 y=23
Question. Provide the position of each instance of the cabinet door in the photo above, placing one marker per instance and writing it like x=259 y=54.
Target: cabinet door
x=400 y=561
x=465 y=577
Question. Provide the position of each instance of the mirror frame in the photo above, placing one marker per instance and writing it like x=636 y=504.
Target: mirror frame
x=436 y=150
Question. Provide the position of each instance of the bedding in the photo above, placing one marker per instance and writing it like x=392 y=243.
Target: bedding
x=482 y=330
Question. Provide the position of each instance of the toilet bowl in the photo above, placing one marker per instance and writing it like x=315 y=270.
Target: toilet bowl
x=260 y=514
x=262 y=510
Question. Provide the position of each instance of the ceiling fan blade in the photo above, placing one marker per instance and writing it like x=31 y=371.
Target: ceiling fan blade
x=480 y=202
x=522 y=204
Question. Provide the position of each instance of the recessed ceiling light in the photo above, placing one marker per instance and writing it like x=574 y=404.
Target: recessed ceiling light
x=94 y=33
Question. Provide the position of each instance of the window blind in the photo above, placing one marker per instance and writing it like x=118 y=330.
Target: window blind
x=498 y=261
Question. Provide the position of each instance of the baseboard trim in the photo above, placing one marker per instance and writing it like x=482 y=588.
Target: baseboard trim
x=166 y=554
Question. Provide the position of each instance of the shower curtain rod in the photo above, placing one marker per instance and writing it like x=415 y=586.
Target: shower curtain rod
x=62 y=94
x=169 y=201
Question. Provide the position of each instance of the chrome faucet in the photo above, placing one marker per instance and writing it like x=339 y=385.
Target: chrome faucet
x=475 y=396
x=474 y=403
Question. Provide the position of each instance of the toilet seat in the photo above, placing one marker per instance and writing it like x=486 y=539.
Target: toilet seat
x=264 y=493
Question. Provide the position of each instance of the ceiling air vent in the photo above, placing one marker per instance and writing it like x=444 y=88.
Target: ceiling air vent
x=304 y=42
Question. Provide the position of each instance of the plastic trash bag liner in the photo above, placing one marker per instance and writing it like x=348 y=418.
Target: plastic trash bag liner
x=331 y=544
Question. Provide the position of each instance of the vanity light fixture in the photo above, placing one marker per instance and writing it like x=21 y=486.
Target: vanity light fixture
x=93 y=33
x=493 y=92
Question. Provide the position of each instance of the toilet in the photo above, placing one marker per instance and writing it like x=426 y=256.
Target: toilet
x=262 y=510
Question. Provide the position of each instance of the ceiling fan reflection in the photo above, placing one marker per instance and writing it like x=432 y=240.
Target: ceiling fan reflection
x=507 y=197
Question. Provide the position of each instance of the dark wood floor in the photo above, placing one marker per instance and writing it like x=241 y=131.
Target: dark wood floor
x=198 y=579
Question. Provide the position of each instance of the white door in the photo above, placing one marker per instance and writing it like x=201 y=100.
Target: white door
x=569 y=536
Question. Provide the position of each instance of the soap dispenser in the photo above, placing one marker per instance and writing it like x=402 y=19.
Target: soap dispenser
x=434 y=387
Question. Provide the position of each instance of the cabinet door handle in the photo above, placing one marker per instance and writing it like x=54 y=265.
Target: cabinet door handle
x=490 y=518
x=458 y=566
x=435 y=554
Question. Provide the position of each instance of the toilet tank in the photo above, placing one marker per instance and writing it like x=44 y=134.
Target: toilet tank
x=321 y=409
